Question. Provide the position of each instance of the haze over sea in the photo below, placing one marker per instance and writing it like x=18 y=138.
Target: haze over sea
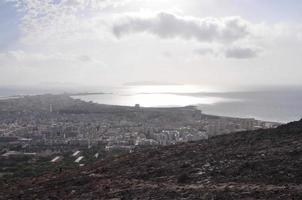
x=271 y=104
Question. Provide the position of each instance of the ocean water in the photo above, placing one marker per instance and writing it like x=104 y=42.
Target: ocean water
x=153 y=96
x=271 y=104
x=279 y=105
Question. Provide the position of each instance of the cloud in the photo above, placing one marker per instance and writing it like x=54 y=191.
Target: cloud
x=167 y=54
x=204 y=51
x=242 y=52
x=30 y=67
x=74 y=5
x=84 y=58
x=166 y=25
x=234 y=52
x=48 y=21
x=68 y=40
x=43 y=60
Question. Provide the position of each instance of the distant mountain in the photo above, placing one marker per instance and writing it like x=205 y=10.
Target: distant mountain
x=263 y=164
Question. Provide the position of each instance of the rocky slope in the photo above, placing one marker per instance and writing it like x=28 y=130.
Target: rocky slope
x=264 y=164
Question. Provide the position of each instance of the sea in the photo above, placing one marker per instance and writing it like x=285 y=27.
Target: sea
x=278 y=104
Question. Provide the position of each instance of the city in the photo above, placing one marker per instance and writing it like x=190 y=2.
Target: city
x=58 y=128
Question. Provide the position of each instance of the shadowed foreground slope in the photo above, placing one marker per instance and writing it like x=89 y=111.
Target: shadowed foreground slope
x=264 y=164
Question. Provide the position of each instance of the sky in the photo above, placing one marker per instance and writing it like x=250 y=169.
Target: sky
x=216 y=43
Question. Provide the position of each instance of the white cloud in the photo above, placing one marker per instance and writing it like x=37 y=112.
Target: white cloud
x=204 y=51
x=166 y=25
x=242 y=52
x=70 y=40
x=33 y=67
x=235 y=52
x=42 y=60
x=49 y=21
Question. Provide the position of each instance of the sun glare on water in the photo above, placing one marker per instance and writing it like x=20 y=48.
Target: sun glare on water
x=155 y=96
x=169 y=89
x=168 y=100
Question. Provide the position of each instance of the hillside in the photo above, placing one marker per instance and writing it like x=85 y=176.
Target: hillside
x=263 y=164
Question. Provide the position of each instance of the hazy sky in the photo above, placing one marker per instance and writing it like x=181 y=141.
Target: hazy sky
x=110 y=42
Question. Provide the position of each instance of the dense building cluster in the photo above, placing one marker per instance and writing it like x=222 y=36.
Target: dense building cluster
x=53 y=124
